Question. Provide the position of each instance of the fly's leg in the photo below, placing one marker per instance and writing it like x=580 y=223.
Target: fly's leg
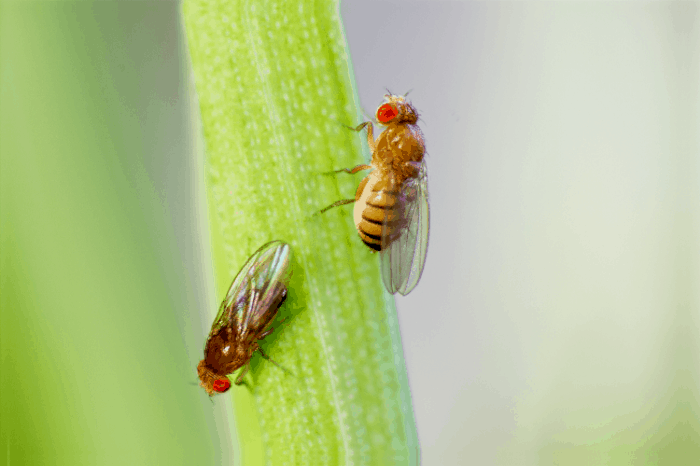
x=336 y=204
x=370 y=143
x=352 y=171
x=239 y=379
x=270 y=359
x=358 y=193
x=370 y=134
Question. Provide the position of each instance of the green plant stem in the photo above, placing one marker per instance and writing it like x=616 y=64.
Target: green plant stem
x=275 y=90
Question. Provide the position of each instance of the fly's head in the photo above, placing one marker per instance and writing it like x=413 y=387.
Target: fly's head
x=210 y=381
x=396 y=110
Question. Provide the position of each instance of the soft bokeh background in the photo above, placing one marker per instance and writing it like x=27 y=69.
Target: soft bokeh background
x=106 y=274
x=557 y=321
x=558 y=318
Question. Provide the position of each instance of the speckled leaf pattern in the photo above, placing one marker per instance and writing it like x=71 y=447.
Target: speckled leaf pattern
x=275 y=90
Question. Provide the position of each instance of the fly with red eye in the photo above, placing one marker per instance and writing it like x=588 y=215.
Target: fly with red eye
x=245 y=316
x=391 y=204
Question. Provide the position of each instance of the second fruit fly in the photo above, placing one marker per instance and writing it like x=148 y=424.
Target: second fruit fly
x=391 y=203
x=245 y=316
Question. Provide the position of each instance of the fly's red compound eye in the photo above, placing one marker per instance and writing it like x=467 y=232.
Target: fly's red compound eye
x=386 y=113
x=221 y=385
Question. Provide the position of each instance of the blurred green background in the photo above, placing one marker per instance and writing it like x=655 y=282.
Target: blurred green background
x=564 y=246
x=105 y=265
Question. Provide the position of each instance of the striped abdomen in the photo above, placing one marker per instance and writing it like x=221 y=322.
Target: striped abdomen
x=377 y=203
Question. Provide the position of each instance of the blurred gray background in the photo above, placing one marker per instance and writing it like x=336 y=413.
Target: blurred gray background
x=557 y=320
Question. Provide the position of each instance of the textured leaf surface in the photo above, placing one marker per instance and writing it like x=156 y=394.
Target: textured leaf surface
x=275 y=88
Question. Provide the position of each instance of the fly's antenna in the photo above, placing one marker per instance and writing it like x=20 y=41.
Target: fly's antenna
x=406 y=94
x=196 y=384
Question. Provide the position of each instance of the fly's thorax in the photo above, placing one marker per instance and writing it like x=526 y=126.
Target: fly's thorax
x=225 y=355
x=395 y=147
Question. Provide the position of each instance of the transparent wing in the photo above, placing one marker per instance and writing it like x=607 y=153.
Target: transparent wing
x=257 y=291
x=403 y=253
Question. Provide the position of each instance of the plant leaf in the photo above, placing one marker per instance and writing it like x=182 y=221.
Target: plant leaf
x=275 y=91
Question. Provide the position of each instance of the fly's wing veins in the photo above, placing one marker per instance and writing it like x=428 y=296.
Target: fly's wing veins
x=261 y=282
x=403 y=258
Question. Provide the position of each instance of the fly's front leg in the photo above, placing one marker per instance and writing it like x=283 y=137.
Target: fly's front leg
x=370 y=134
x=370 y=142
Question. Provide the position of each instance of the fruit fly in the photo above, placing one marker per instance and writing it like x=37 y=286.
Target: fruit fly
x=391 y=203
x=244 y=317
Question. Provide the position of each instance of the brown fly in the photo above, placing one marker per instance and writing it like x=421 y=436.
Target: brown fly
x=391 y=204
x=244 y=317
